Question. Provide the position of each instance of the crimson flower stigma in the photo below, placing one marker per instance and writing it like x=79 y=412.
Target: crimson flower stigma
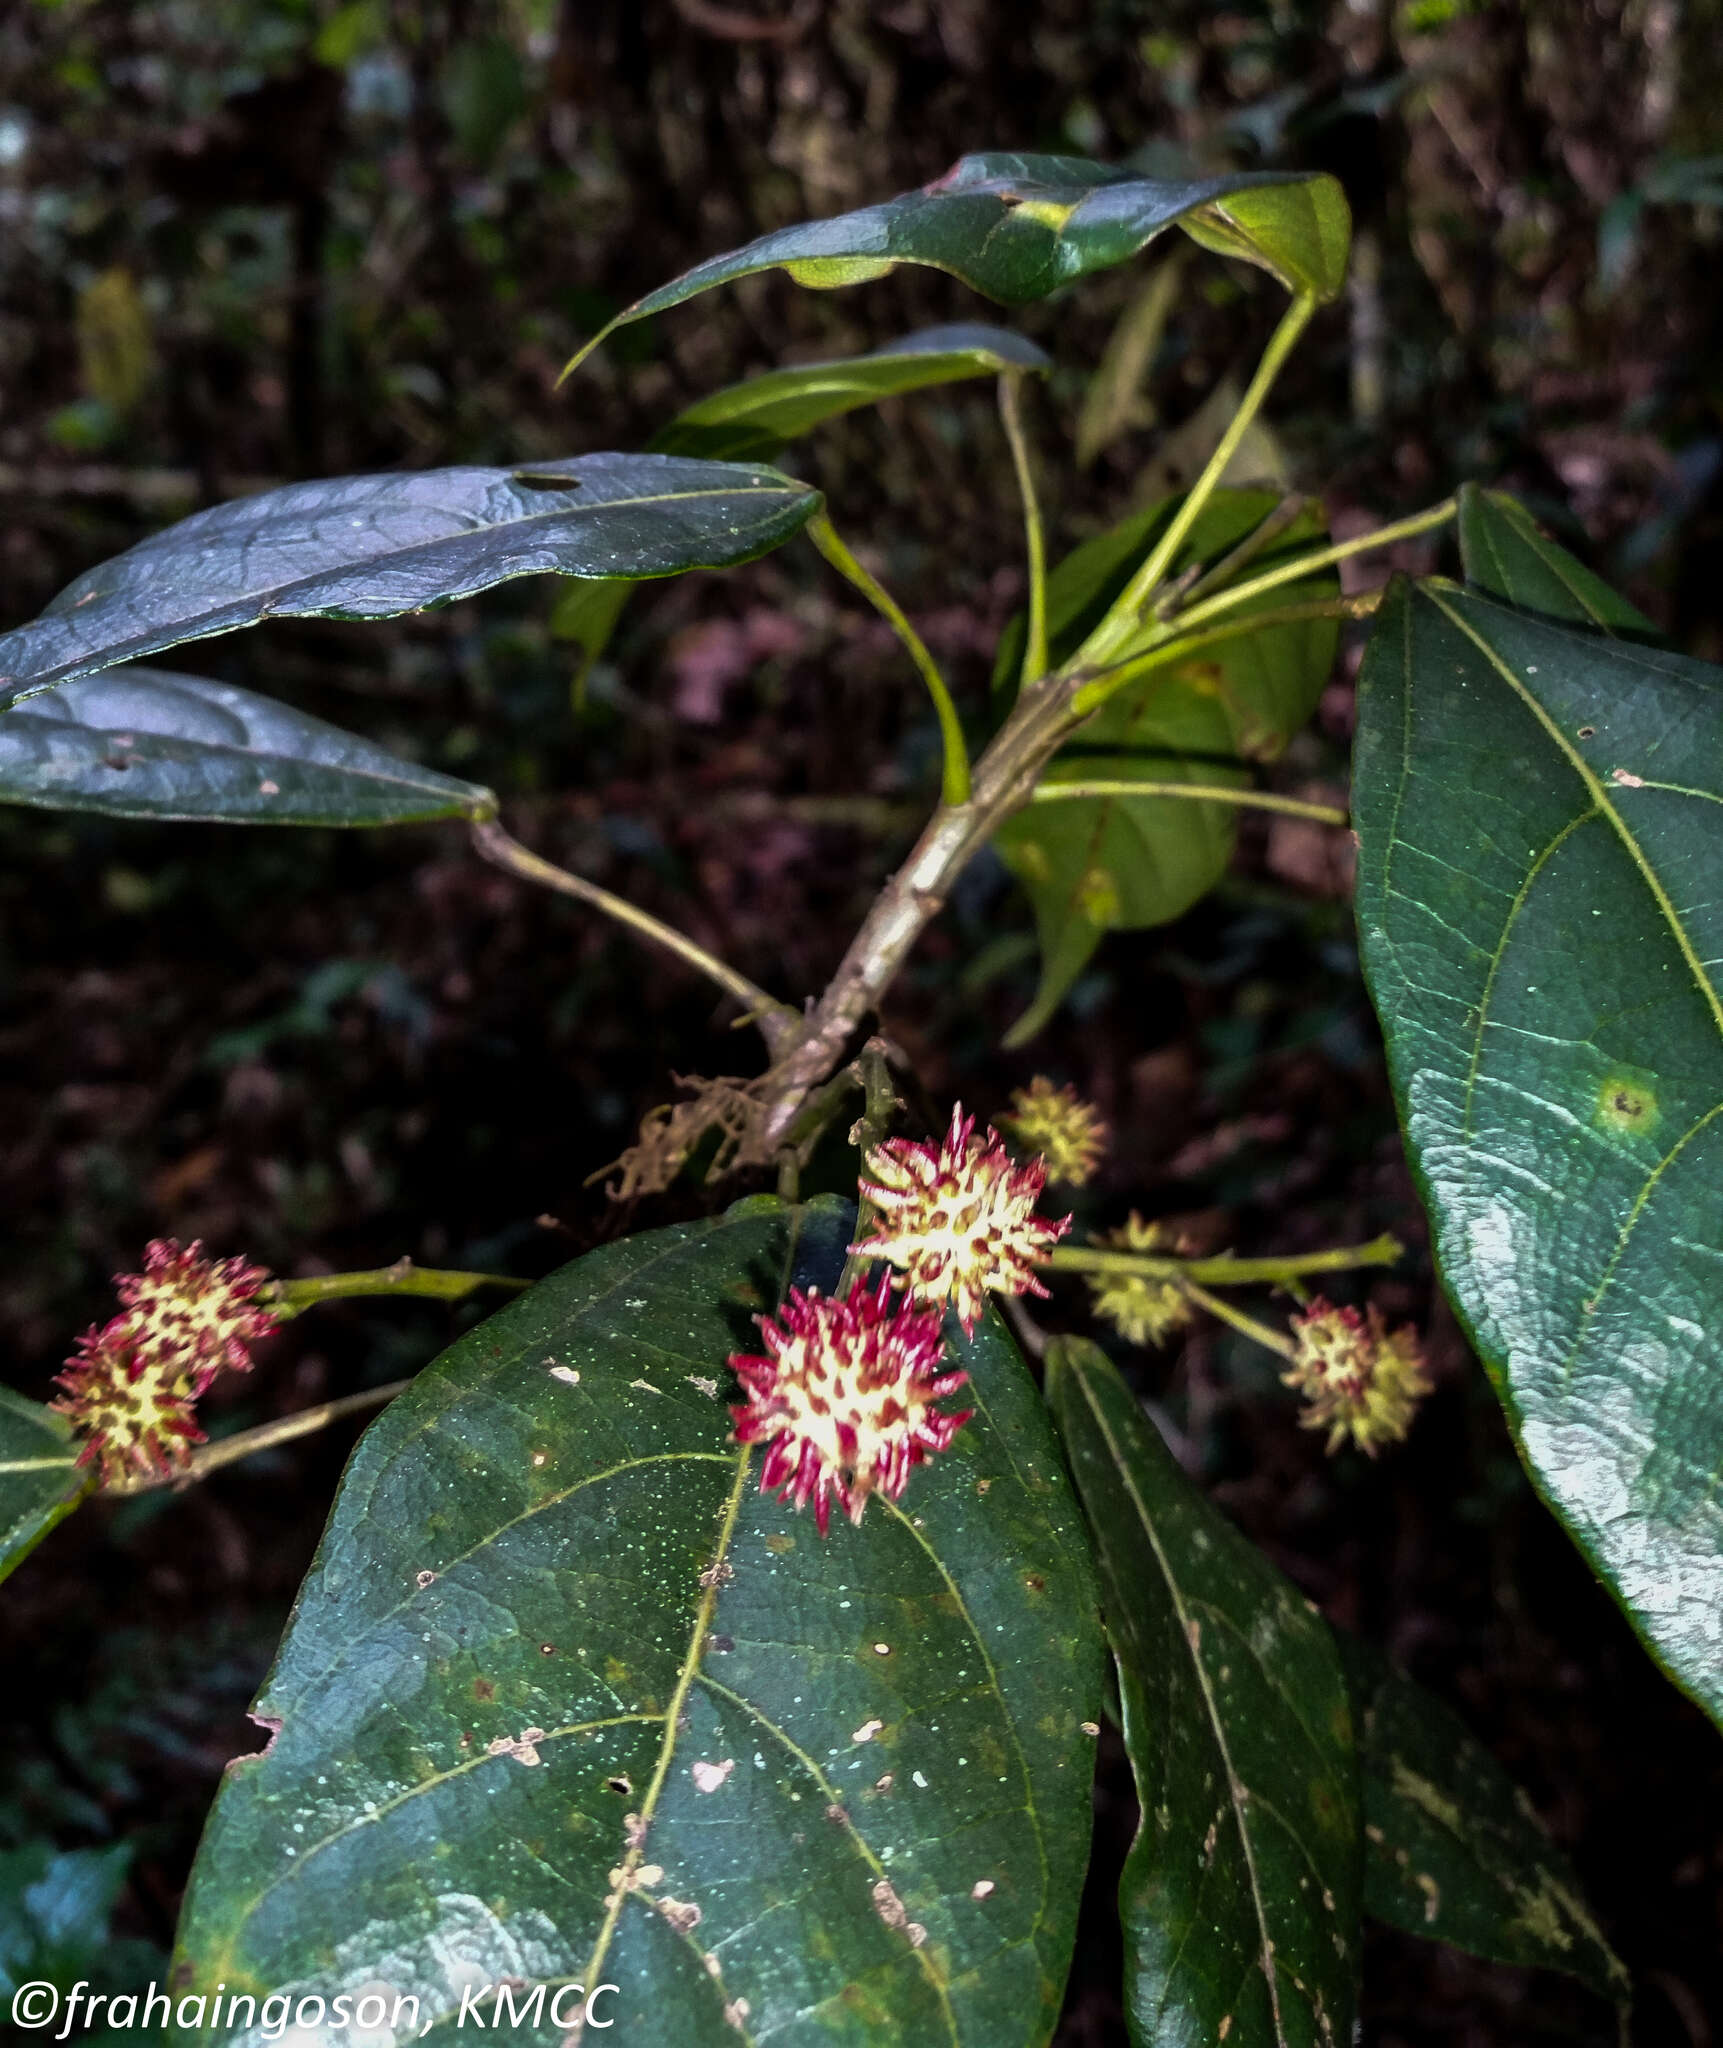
x=843 y=1397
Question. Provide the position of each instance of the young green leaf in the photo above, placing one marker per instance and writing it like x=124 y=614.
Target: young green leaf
x=1240 y=1896
x=145 y=743
x=1094 y=865
x=1017 y=227
x=1453 y=1850
x=1554 y=1024
x=752 y=421
x=40 y=1483
x=1505 y=554
x=371 y=547
x=566 y=1698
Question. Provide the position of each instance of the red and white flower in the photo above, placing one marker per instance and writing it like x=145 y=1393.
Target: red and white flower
x=843 y=1398
x=958 y=1219
x=131 y=1386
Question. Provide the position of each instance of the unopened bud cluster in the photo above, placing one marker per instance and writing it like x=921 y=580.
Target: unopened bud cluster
x=132 y=1386
x=1359 y=1379
x=1068 y=1134
x=843 y=1394
x=1142 y=1307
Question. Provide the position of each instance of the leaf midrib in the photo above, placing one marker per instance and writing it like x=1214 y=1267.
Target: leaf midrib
x=267 y=603
x=704 y=1612
x=1600 y=797
x=1601 y=805
x=258 y=757
x=1181 y=1614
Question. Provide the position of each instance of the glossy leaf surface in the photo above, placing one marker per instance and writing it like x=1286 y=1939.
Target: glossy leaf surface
x=1094 y=865
x=40 y=1483
x=753 y=420
x=146 y=743
x=1506 y=554
x=1453 y=1848
x=1017 y=227
x=565 y=1697
x=1240 y=1897
x=1540 y=906
x=372 y=547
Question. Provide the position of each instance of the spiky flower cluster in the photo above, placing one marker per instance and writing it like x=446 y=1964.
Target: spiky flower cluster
x=843 y=1397
x=844 y=1393
x=132 y=1385
x=958 y=1219
x=1359 y=1379
x=1070 y=1134
x=1141 y=1307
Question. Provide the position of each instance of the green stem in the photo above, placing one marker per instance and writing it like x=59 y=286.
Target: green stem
x=1176 y=645
x=291 y=1298
x=1247 y=1326
x=777 y=1021
x=879 y=1109
x=1226 y=1271
x=1035 y=541
x=1321 y=558
x=1285 y=514
x=1126 y=616
x=1200 y=792
x=954 y=784
x=245 y=1443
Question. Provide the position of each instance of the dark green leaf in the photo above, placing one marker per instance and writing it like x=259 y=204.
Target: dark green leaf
x=752 y=421
x=1453 y=1848
x=854 y=1769
x=371 y=547
x=1240 y=1896
x=1017 y=227
x=1506 y=554
x=144 y=743
x=1540 y=904
x=40 y=1483
x=1092 y=866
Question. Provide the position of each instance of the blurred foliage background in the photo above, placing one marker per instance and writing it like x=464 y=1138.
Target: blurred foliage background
x=245 y=240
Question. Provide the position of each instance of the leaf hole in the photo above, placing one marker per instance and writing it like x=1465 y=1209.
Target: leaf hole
x=620 y=1785
x=1588 y=732
x=544 y=480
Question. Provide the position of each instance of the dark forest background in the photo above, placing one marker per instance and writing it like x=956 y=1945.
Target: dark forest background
x=247 y=240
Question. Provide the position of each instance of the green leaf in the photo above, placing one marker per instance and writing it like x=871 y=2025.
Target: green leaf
x=1094 y=865
x=1016 y=228
x=751 y=422
x=1453 y=1848
x=1240 y=1897
x=145 y=743
x=56 y=1914
x=1540 y=905
x=40 y=1483
x=372 y=547
x=852 y=1771
x=1506 y=554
